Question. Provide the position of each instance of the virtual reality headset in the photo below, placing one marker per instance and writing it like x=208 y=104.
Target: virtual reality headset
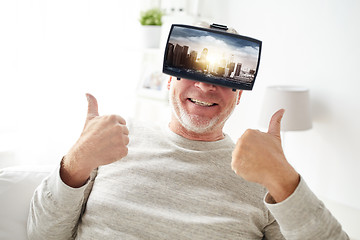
x=212 y=55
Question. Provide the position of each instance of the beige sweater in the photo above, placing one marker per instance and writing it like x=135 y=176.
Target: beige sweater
x=169 y=187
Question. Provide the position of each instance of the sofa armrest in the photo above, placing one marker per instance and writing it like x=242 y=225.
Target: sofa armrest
x=17 y=185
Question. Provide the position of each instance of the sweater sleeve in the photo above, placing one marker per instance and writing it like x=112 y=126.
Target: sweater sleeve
x=303 y=216
x=55 y=208
x=271 y=231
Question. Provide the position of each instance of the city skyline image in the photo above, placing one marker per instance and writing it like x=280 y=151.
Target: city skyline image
x=212 y=54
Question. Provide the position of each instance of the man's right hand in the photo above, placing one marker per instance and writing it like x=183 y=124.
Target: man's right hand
x=103 y=141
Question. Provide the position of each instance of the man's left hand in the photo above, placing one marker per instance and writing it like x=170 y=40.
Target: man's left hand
x=259 y=157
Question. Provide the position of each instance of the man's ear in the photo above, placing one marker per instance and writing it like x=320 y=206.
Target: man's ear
x=169 y=82
x=239 y=96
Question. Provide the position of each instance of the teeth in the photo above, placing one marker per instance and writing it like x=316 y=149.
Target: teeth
x=201 y=103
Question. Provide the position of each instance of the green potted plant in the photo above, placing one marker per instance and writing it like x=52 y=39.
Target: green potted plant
x=151 y=17
x=151 y=22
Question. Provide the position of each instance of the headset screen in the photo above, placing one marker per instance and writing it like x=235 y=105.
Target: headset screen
x=213 y=56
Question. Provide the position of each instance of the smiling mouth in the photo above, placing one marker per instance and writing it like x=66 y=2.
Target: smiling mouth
x=201 y=103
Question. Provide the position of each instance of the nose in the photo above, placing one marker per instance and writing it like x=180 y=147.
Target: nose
x=205 y=87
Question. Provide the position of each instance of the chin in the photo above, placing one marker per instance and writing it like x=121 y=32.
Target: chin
x=198 y=124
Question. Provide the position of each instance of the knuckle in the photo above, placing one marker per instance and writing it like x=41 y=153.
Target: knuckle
x=249 y=135
x=125 y=130
x=106 y=118
x=112 y=118
x=126 y=139
x=118 y=129
x=247 y=131
x=124 y=151
x=250 y=132
x=123 y=121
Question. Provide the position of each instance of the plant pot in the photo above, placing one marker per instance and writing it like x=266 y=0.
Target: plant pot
x=151 y=36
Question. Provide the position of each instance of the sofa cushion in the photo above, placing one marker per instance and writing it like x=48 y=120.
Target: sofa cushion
x=17 y=185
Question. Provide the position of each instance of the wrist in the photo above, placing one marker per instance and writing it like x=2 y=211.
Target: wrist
x=283 y=185
x=72 y=172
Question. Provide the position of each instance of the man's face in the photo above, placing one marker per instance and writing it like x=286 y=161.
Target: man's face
x=201 y=107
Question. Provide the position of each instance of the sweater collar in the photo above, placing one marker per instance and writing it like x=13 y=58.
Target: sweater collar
x=181 y=141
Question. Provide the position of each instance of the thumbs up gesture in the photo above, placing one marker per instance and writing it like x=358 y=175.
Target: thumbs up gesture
x=103 y=140
x=258 y=157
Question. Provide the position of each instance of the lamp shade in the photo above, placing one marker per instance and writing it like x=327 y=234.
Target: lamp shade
x=296 y=102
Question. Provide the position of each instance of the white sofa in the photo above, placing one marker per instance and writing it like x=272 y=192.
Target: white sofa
x=17 y=185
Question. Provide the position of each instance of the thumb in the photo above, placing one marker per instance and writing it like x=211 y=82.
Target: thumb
x=92 y=106
x=275 y=123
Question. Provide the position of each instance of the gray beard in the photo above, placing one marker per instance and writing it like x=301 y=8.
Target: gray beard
x=192 y=122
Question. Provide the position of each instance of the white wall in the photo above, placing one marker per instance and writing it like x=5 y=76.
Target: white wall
x=313 y=44
x=53 y=52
